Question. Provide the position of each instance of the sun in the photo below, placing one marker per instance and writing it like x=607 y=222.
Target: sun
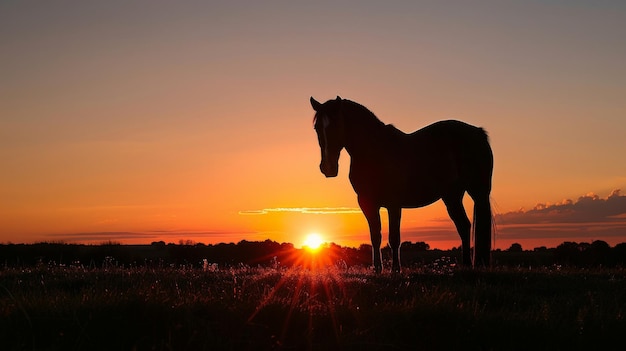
x=313 y=241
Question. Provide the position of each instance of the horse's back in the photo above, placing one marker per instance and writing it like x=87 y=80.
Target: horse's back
x=416 y=169
x=465 y=145
x=451 y=130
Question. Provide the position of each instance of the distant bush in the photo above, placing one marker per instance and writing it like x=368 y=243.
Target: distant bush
x=598 y=253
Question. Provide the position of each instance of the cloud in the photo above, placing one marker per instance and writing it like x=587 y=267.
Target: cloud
x=305 y=210
x=590 y=217
x=98 y=236
x=587 y=208
x=148 y=236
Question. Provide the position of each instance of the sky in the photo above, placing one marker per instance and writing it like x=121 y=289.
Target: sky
x=140 y=121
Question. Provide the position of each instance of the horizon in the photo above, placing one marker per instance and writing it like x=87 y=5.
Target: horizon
x=551 y=224
x=152 y=121
x=321 y=246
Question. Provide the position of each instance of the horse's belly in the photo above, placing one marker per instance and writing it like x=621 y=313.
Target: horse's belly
x=405 y=194
x=411 y=198
x=404 y=189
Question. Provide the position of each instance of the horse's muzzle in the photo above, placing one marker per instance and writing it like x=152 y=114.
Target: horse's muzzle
x=329 y=170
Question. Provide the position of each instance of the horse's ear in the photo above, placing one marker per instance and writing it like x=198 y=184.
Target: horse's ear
x=316 y=105
x=338 y=98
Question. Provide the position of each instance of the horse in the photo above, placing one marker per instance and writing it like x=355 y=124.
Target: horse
x=395 y=170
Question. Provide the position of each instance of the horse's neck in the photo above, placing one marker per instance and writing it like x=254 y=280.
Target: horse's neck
x=371 y=140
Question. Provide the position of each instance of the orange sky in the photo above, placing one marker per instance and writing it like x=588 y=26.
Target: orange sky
x=167 y=121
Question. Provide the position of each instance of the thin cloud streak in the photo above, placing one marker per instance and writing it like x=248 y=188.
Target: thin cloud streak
x=304 y=210
x=145 y=237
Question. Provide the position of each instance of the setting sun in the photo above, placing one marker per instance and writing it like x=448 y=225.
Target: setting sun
x=313 y=241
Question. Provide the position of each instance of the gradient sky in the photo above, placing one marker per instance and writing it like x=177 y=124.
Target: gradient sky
x=137 y=121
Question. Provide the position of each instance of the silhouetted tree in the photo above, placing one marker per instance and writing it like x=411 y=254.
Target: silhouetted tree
x=619 y=254
x=418 y=246
x=598 y=253
x=567 y=253
x=270 y=253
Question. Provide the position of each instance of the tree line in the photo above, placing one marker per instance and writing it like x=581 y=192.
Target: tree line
x=270 y=253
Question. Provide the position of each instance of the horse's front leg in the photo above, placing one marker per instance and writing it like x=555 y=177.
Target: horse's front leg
x=372 y=214
x=395 y=214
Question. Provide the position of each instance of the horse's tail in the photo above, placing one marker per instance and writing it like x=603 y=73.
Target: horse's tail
x=483 y=221
x=483 y=217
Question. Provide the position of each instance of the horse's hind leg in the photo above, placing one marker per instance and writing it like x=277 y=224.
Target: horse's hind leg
x=372 y=214
x=482 y=226
x=395 y=214
x=454 y=205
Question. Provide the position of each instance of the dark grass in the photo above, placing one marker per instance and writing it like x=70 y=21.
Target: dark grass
x=297 y=309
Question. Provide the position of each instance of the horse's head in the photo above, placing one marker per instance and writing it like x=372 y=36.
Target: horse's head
x=329 y=126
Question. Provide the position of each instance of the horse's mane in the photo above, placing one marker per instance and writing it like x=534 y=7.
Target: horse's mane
x=352 y=110
x=361 y=112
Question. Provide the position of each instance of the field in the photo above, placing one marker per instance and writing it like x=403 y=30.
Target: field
x=436 y=307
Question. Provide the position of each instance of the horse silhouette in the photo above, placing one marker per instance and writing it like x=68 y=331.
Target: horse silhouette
x=395 y=170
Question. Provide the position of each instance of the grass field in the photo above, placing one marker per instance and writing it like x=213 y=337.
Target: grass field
x=244 y=308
